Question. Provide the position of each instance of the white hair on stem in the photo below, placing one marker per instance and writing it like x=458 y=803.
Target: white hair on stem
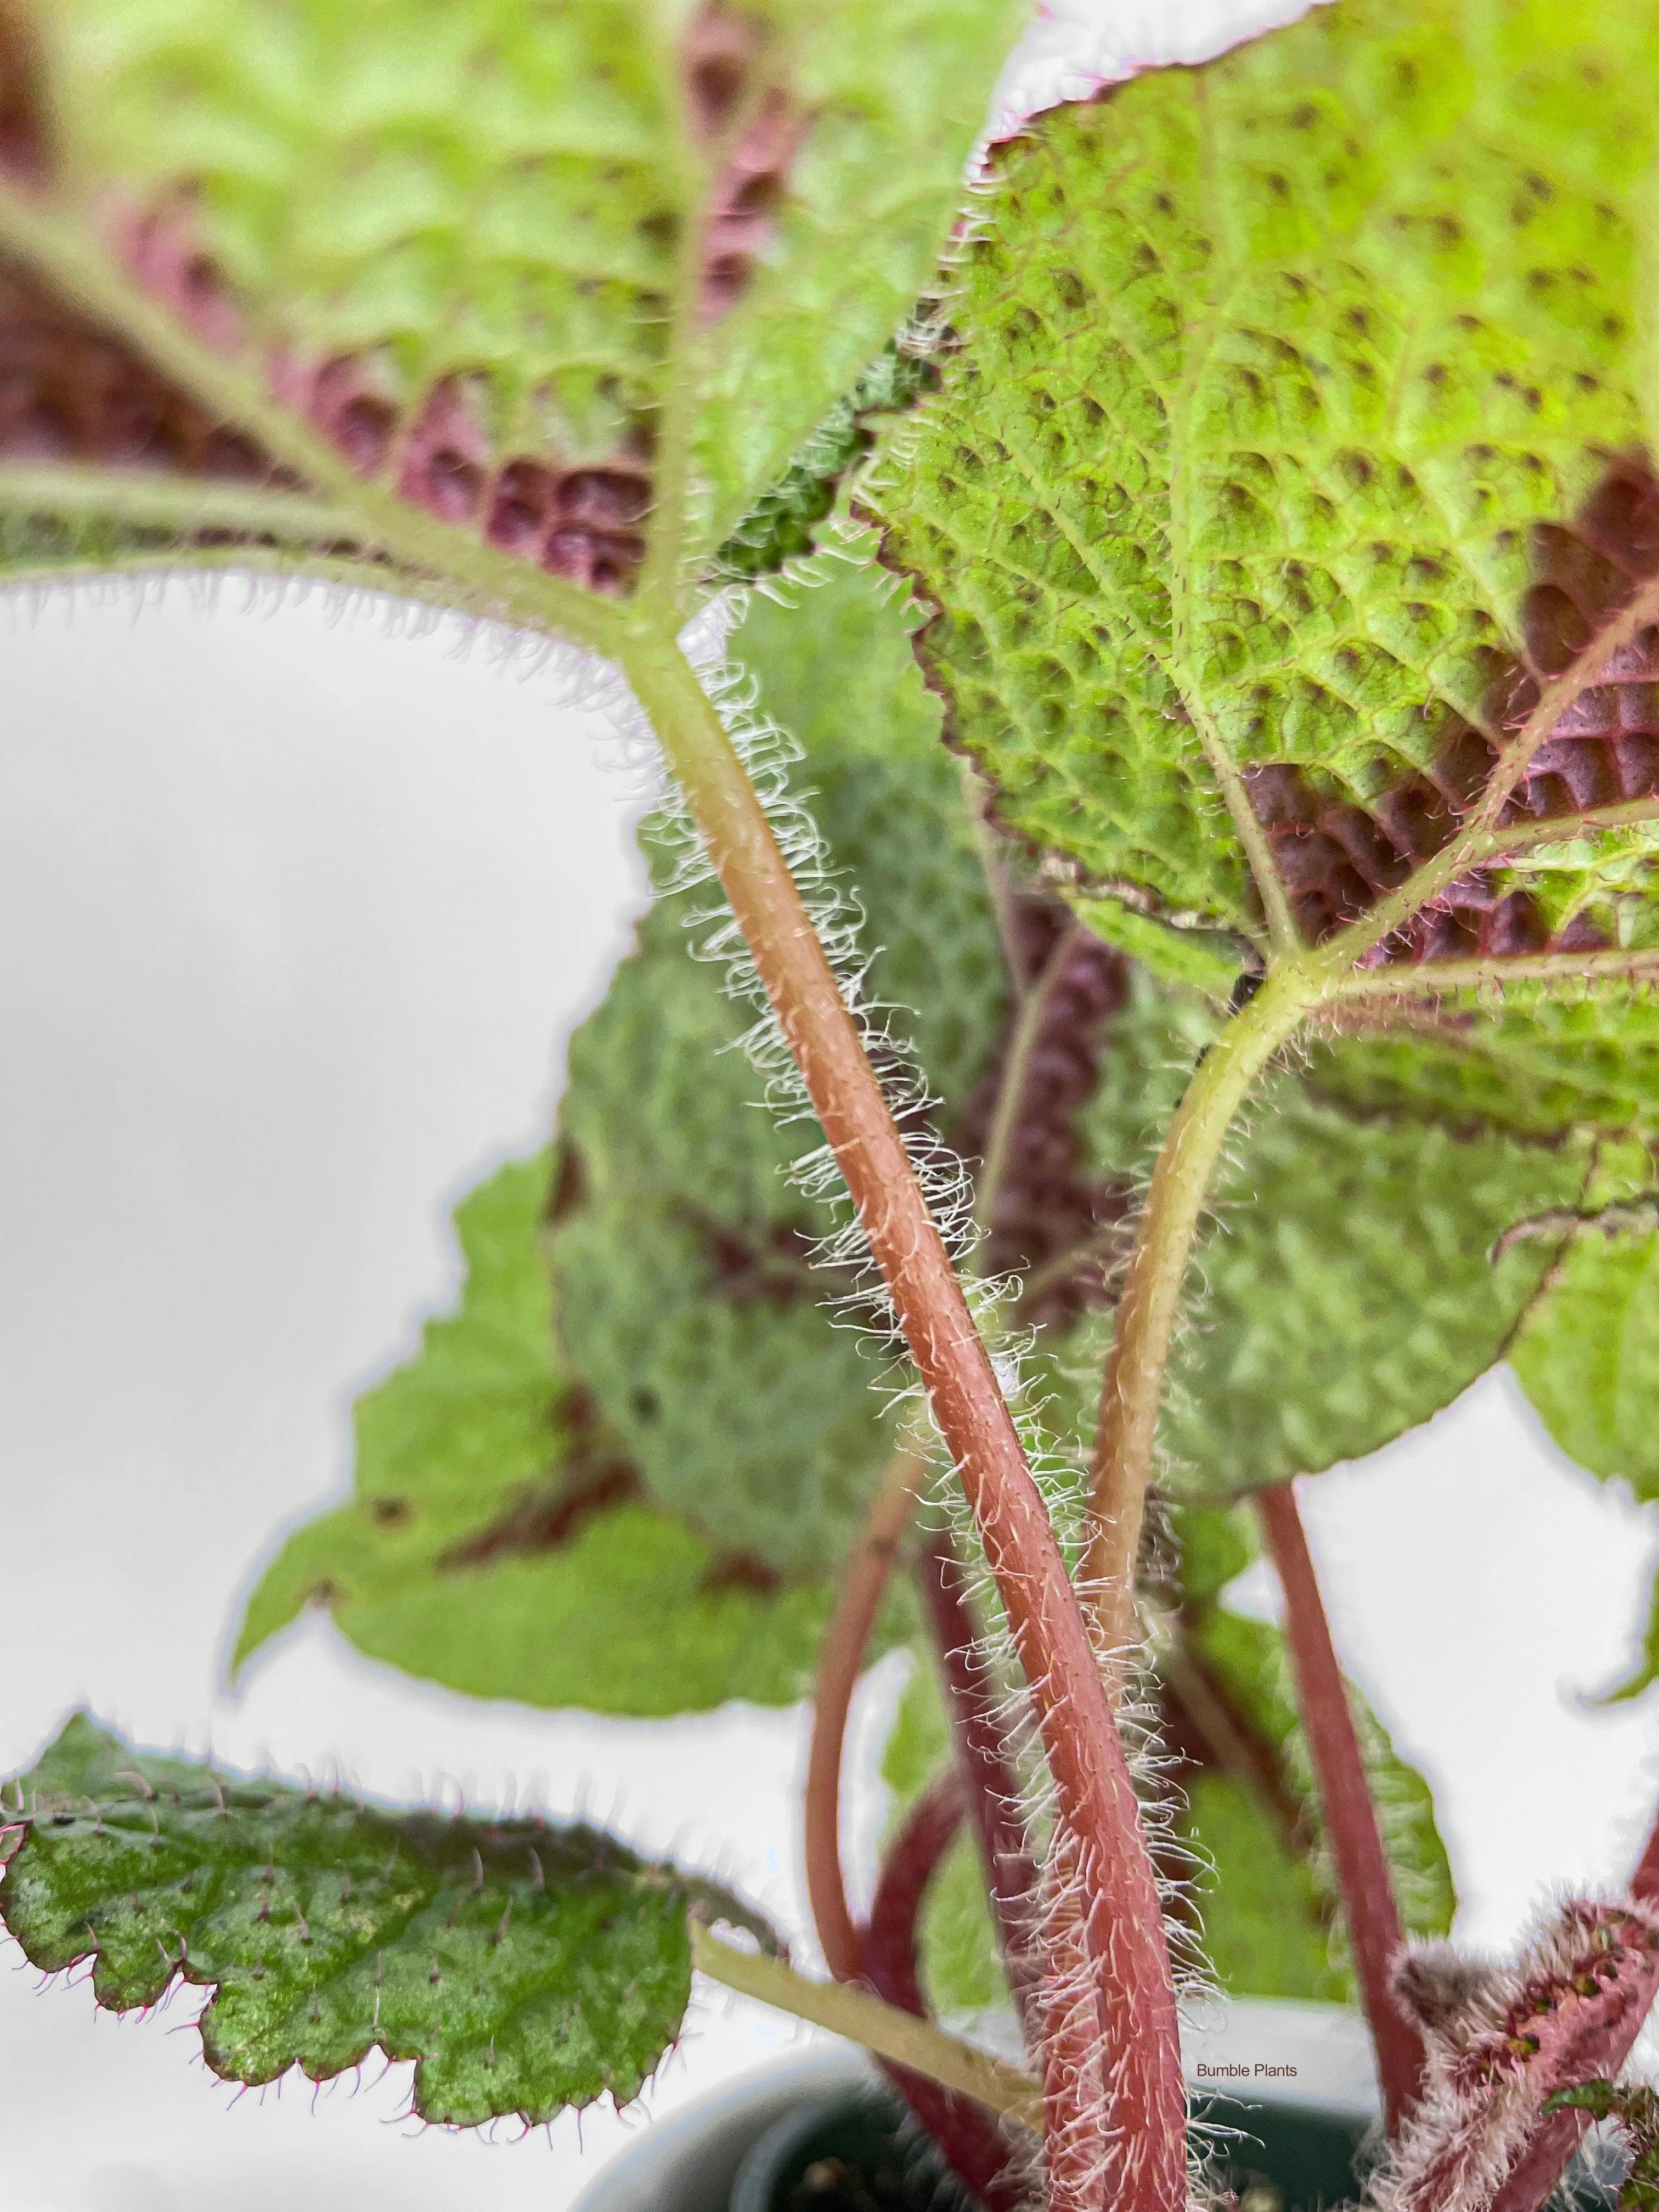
x=768 y=753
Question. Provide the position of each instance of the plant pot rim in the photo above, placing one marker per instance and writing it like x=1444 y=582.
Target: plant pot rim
x=715 y=2130
x=696 y=2150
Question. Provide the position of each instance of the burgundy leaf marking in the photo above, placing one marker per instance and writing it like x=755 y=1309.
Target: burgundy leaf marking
x=1338 y=858
x=725 y=51
x=1047 y=1206
x=594 y=1476
x=71 y=392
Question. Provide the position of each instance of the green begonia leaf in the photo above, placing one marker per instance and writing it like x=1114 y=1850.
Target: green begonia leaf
x=1279 y=448
x=524 y=1967
x=1246 y=1659
x=1343 y=1290
x=1589 y=1357
x=1589 y=1360
x=492 y=281
x=1534 y=1065
x=1265 y=1920
x=1347 y=1291
x=1268 y=1901
x=1202 y=959
x=783 y=525
x=496 y=1541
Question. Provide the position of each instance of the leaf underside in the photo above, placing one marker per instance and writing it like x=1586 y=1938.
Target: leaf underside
x=504 y=283
x=1297 y=423
x=524 y=1967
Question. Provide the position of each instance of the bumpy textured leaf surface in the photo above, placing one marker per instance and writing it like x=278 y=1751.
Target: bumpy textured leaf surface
x=783 y=525
x=1343 y=1291
x=80 y=405
x=1534 y=1065
x=524 y=1967
x=496 y=1541
x=1348 y=1293
x=1589 y=1358
x=498 y=257
x=1284 y=425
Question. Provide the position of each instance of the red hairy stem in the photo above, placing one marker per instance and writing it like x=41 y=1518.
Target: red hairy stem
x=992 y=1791
x=848 y=1638
x=1074 y=2064
x=1120 y=1919
x=1362 y=1867
x=964 y=2131
x=1539 y=2175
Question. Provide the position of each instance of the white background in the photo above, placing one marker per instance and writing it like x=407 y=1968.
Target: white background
x=295 y=918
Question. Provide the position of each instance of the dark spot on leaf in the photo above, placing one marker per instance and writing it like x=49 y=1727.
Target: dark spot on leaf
x=594 y=1478
x=69 y=392
x=568 y=1188
x=25 y=147
x=721 y=52
x=740 y=1570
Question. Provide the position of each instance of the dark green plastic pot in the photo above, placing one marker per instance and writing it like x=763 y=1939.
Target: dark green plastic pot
x=858 y=2151
x=821 y=2133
